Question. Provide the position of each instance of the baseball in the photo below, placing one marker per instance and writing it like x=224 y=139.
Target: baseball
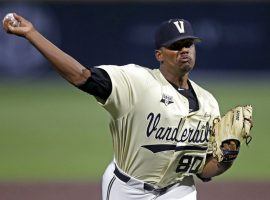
x=12 y=20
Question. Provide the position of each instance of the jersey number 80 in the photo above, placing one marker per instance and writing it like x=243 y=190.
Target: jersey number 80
x=189 y=164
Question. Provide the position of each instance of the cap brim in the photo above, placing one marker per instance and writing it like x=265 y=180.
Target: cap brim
x=196 y=39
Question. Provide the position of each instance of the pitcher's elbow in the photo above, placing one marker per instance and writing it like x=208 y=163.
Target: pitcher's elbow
x=81 y=78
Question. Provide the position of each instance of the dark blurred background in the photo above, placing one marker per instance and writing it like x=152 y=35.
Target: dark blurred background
x=54 y=139
x=235 y=33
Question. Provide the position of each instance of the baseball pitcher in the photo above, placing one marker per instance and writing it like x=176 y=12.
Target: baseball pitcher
x=165 y=128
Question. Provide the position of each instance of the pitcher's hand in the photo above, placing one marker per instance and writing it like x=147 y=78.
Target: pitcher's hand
x=23 y=29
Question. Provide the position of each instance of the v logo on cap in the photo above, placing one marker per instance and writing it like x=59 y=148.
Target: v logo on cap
x=180 y=26
x=172 y=31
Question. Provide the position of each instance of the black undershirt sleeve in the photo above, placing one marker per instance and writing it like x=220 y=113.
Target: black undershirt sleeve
x=98 y=84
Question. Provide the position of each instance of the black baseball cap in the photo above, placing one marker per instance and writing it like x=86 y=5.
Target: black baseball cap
x=172 y=31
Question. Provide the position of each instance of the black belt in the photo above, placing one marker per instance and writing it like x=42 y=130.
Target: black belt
x=146 y=186
x=121 y=176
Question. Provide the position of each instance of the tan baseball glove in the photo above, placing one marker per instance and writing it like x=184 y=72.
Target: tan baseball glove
x=230 y=131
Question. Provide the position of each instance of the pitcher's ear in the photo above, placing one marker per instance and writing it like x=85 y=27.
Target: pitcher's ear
x=159 y=55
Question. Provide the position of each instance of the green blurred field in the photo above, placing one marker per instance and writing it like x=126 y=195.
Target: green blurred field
x=55 y=132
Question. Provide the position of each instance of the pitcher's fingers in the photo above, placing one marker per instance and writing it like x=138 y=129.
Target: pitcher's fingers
x=6 y=23
x=12 y=29
x=18 y=17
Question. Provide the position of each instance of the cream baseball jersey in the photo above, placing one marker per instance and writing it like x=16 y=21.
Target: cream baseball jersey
x=155 y=137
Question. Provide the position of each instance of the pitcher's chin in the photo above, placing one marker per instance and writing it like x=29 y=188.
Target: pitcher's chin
x=186 y=68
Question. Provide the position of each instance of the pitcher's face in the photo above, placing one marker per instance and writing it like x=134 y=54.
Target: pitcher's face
x=180 y=56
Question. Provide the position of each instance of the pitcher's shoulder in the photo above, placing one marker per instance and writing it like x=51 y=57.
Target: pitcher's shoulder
x=129 y=68
x=138 y=72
